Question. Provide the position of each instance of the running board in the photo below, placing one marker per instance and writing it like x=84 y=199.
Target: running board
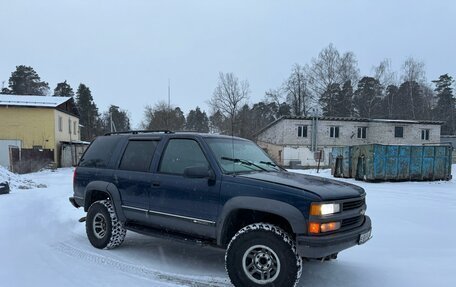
x=169 y=235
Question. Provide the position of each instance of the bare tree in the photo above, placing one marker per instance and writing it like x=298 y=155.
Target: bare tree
x=348 y=68
x=384 y=73
x=274 y=96
x=413 y=71
x=324 y=69
x=163 y=117
x=297 y=91
x=330 y=67
x=229 y=95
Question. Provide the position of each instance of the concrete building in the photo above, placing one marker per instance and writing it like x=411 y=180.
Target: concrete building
x=36 y=123
x=302 y=140
x=450 y=139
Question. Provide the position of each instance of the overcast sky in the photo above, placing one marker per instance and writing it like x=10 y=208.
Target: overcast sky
x=126 y=50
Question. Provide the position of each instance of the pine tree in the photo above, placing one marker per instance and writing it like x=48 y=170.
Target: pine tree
x=344 y=101
x=367 y=98
x=120 y=119
x=219 y=123
x=243 y=123
x=197 y=121
x=89 y=118
x=445 y=108
x=26 y=81
x=63 y=90
x=329 y=100
x=389 y=106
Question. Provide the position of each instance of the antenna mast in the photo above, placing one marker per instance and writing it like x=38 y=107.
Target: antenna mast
x=169 y=94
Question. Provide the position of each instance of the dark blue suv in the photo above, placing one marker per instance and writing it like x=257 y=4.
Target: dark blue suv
x=218 y=190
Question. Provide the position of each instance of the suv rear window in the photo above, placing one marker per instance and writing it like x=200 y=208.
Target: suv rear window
x=138 y=155
x=100 y=152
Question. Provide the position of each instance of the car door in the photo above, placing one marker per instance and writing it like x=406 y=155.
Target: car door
x=134 y=177
x=180 y=203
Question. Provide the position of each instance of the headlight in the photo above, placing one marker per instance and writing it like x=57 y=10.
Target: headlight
x=324 y=208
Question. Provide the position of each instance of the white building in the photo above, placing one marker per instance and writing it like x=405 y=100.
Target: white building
x=302 y=139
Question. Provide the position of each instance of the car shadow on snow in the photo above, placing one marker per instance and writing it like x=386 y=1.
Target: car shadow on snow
x=173 y=257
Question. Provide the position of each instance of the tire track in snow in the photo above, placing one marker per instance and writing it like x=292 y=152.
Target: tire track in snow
x=192 y=281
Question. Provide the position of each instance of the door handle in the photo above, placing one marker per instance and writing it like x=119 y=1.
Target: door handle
x=155 y=184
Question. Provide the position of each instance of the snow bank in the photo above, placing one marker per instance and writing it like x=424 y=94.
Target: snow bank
x=18 y=181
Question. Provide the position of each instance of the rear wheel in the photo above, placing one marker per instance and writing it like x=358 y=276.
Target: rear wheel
x=263 y=254
x=103 y=228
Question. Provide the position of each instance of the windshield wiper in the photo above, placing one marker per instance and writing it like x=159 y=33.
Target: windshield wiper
x=270 y=163
x=244 y=162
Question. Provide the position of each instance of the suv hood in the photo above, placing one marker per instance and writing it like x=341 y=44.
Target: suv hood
x=326 y=189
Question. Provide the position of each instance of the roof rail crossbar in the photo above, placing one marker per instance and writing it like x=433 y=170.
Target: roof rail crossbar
x=140 y=132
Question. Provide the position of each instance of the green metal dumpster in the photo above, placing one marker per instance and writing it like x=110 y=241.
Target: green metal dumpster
x=374 y=162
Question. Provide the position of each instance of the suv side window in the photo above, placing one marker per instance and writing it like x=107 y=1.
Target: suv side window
x=180 y=154
x=100 y=152
x=138 y=155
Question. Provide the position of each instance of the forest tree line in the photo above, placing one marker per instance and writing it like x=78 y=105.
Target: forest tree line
x=329 y=85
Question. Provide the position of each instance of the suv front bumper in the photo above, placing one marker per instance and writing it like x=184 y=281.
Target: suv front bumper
x=322 y=246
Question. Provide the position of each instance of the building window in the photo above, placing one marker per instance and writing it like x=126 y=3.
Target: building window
x=60 y=123
x=69 y=126
x=334 y=132
x=398 y=132
x=362 y=132
x=302 y=131
x=425 y=135
x=74 y=127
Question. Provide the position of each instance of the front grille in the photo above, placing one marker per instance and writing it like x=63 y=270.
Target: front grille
x=352 y=222
x=349 y=205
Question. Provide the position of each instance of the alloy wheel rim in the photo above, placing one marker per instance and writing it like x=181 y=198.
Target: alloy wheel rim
x=99 y=226
x=261 y=264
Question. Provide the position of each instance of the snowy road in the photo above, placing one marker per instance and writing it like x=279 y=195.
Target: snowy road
x=42 y=244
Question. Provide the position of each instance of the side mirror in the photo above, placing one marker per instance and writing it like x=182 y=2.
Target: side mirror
x=199 y=172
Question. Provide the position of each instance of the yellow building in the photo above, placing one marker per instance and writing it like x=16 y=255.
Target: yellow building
x=37 y=122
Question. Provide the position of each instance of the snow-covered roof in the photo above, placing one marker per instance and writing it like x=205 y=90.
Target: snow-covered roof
x=32 y=101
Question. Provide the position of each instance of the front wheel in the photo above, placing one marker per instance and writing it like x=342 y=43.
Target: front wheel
x=103 y=228
x=263 y=254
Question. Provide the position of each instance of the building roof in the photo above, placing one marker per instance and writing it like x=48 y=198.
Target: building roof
x=32 y=101
x=350 y=119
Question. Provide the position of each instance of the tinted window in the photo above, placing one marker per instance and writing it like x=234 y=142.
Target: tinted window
x=138 y=155
x=100 y=152
x=180 y=154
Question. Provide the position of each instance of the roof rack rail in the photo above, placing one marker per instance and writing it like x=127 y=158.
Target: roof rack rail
x=140 y=132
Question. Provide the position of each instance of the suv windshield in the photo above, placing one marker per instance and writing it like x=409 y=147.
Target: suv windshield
x=235 y=155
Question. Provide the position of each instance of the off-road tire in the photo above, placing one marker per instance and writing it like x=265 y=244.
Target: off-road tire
x=274 y=239
x=113 y=233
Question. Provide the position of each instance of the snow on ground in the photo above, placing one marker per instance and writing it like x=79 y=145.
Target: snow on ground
x=43 y=244
x=18 y=181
